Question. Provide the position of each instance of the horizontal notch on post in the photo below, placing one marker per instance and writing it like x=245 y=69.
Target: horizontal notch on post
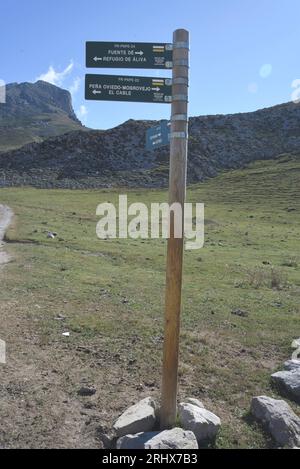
x=180 y=97
x=180 y=81
x=181 y=45
x=179 y=117
x=181 y=63
x=178 y=135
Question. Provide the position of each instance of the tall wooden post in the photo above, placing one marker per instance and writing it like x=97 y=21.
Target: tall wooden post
x=177 y=189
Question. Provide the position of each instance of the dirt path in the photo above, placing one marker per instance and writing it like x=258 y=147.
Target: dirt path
x=39 y=404
x=6 y=215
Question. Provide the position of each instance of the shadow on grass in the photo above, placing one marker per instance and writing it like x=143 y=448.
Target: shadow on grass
x=249 y=419
x=211 y=444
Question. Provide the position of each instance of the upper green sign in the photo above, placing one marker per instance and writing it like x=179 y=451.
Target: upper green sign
x=128 y=55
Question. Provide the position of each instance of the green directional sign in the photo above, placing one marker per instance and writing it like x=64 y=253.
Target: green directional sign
x=128 y=88
x=128 y=55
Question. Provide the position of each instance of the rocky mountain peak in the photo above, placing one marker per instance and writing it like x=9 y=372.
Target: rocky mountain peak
x=33 y=98
x=33 y=112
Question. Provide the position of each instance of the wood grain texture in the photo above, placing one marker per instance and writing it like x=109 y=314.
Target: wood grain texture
x=177 y=190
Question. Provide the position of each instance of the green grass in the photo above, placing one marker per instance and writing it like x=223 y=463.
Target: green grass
x=112 y=292
x=21 y=131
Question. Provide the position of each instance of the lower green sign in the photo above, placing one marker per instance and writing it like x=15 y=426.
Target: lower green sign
x=128 y=88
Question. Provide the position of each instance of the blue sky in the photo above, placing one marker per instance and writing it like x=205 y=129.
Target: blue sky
x=245 y=54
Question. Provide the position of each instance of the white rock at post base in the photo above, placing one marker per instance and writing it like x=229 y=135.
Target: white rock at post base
x=137 y=418
x=196 y=402
x=203 y=423
x=289 y=381
x=279 y=419
x=177 y=438
x=136 y=441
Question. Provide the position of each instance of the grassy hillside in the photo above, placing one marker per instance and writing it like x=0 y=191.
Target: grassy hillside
x=19 y=132
x=110 y=296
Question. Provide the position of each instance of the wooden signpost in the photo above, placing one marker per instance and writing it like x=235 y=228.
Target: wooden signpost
x=156 y=90
x=177 y=189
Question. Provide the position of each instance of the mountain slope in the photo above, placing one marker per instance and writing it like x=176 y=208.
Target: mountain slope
x=33 y=112
x=118 y=156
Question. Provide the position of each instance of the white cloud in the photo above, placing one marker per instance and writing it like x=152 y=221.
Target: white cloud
x=82 y=112
x=2 y=92
x=296 y=92
x=75 y=86
x=265 y=70
x=54 y=77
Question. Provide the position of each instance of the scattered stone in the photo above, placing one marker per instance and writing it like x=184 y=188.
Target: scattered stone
x=138 y=418
x=107 y=437
x=277 y=305
x=51 y=235
x=289 y=381
x=202 y=422
x=196 y=402
x=296 y=343
x=177 y=438
x=296 y=354
x=240 y=312
x=80 y=348
x=86 y=391
x=89 y=405
x=293 y=364
x=279 y=419
x=60 y=317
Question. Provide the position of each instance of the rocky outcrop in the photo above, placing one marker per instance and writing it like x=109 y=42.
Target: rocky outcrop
x=30 y=99
x=33 y=112
x=117 y=157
